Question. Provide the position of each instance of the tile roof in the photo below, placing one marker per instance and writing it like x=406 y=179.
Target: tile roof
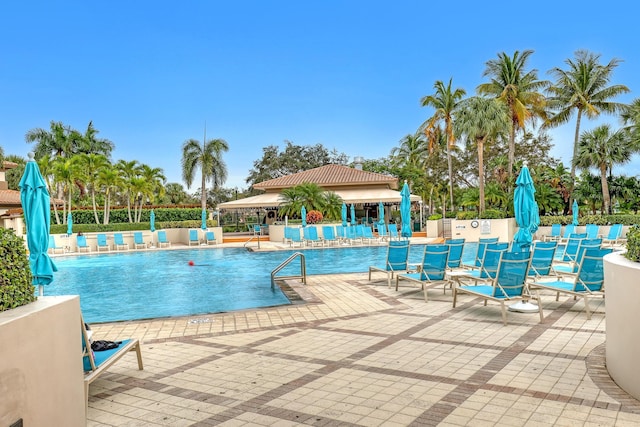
x=9 y=198
x=329 y=176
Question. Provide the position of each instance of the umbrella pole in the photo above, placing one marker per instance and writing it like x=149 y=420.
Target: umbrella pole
x=40 y=290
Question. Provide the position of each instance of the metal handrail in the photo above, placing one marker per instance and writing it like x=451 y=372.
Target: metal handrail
x=303 y=269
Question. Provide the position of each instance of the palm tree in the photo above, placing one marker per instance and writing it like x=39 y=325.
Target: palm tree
x=445 y=101
x=207 y=157
x=409 y=154
x=516 y=88
x=90 y=144
x=585 y=88
x=481 y=119
x=601 y=148
x=128 y=171
x=91 y=165
x=109 y=181
x=66 y=172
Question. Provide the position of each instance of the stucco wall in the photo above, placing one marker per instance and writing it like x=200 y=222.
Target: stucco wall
x=621 y=310
x=41 y=378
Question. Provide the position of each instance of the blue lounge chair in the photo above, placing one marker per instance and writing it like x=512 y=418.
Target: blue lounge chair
x=508 y=284
x=193 y=237
x=456 y=246
x=119 y=243
x=294 y=235
x=571 y=267
x=311 y=237
x=352 y=234
x=138 y=240
x=569 y=229
x=367 y=234
x=81 y=241
x=53 y=247
x=556 y=229
x=588 y=282
x=162 y=239
x=341 y=234
x=614 y=236
x=397 y=260
x=393 y=231
x=542 y=259
x=102 y=242
x=482 y=244
x=96 y=362
x=329 y=235
x=431 y=271
x=593 y=231
x=383 y=235
x=571 y=248
x=489 y=265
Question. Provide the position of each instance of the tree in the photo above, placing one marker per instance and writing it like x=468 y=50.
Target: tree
x=481 y=120
x=66 y=171
x=312 y=197
x=602 y=148
x=516 y=88
x=109 y=181
x=128 y=172
x=90 y=166
x=584 y=88
x=176 y=194
x=90 y=144
x=408 y=157
x=294 y=159
x=445 y=101
x=208 y=158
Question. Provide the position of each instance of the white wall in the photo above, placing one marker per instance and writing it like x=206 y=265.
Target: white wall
x=41 y=375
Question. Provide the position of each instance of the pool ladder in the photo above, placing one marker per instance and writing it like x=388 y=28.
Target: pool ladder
x=303 y=269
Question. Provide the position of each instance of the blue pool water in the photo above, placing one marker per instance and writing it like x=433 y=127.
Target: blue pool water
x=143 y=285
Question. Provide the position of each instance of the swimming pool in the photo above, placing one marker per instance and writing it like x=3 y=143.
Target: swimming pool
x=155 y=284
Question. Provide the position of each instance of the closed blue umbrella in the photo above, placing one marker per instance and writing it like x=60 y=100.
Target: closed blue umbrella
x=405 y=211
x=35 y=201
x=69 y=224
x=344 y=215
x=152 y=224
x=353 y=214
x=204 y=219
x=526 y=211
x=152 y=221
x=381 y=214
x=575 y=208
x=303 y=214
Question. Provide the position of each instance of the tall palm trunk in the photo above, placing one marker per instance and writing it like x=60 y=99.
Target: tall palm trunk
x=512 y=152
x=480 y=143
x=576 y=139
x=203 y=198
x=95 y=207
x=450 y=163
x=606 y=198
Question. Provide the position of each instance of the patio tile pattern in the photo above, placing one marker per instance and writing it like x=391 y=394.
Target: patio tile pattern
x=355 y=353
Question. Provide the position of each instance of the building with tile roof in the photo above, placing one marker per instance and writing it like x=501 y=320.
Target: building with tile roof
x=353 y=185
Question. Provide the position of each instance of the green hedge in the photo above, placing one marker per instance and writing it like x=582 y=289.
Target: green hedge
x=487 y=214
x=16 y=287
x=624 y=219
x=120 y=216
x=98 y=228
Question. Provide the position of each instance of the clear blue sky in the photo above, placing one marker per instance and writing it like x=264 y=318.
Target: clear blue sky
x=346 y=74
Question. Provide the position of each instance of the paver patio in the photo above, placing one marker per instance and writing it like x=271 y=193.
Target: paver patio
x=355 y=353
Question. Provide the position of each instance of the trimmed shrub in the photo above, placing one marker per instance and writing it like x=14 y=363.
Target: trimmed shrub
x=633 y=244
x=314 y=217
x=16 y=287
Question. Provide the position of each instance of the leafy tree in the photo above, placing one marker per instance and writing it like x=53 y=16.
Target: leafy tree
x=208 y=158
x=294 y=159
x=584 y=87
x=445 y=101
x=588 y=191
x=547 y=198
x=109 y=181
x=66 y=172
x=128 y=172
x=13 y=176
x=516 y=88
x=481 y=120
x=602 y=148
x=175 y=194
